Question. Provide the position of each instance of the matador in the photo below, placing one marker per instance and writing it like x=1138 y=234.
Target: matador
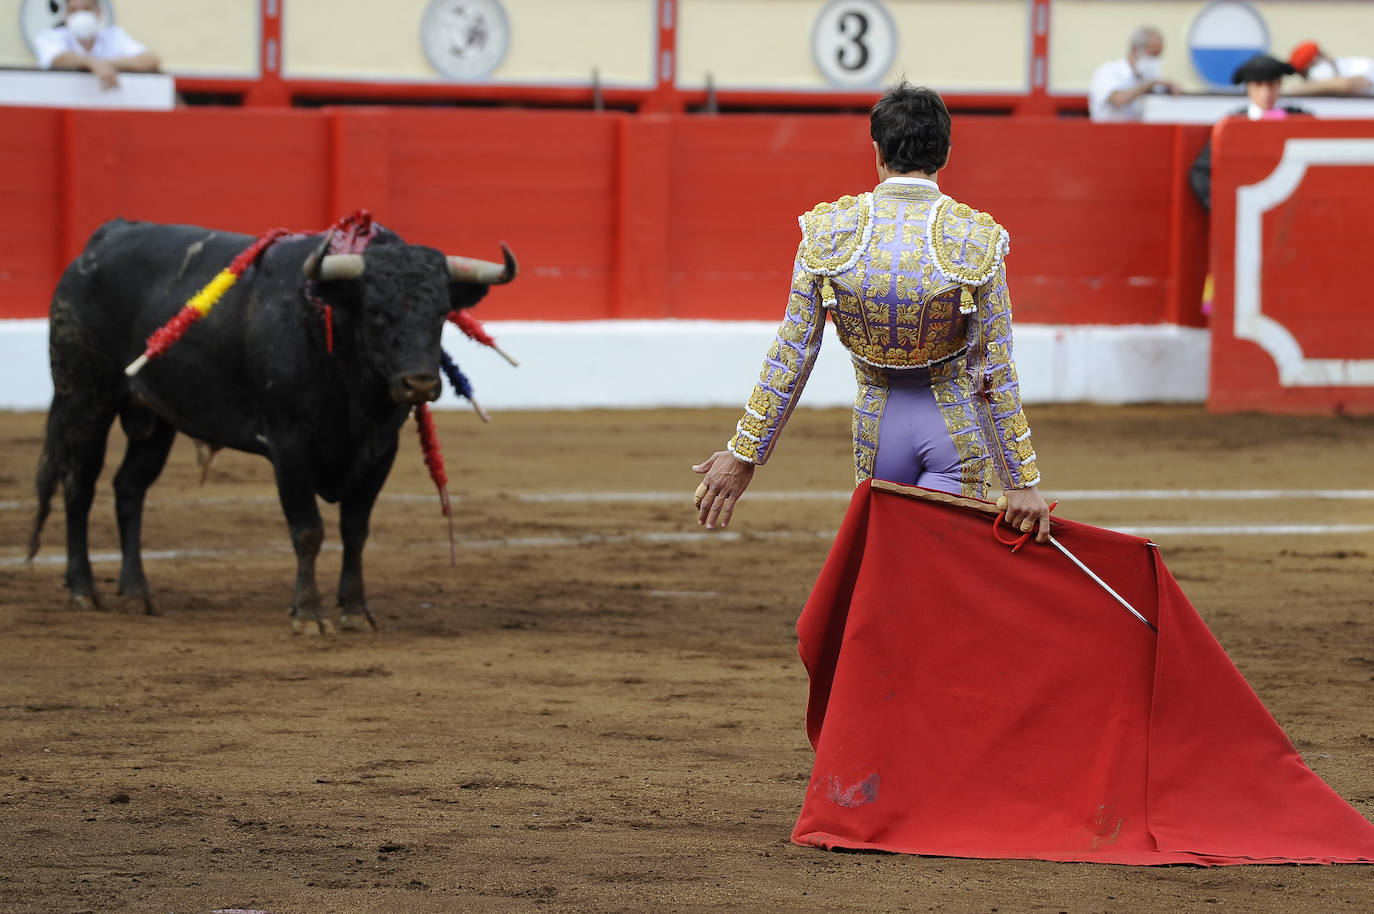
x=916 y=286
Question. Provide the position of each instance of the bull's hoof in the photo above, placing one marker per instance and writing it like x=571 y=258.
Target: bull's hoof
x=356 y=622
x=139 y=597
x=87 y=603
x=311 y=628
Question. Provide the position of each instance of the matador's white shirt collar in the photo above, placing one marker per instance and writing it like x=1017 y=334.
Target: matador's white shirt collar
x=902 y=179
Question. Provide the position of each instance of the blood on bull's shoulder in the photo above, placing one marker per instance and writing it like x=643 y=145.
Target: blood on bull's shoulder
x=308 y=356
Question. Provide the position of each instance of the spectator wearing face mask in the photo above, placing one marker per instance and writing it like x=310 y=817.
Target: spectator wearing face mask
x=1327 y=75
x=82 y=43
x=1118 y=86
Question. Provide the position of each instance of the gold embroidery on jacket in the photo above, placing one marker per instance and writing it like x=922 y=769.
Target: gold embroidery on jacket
x=967 y=245
x=833 y=233
x=869 y=402
x=953 y=393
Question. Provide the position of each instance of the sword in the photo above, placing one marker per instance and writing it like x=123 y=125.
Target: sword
x=1001 y=506
x=1101 y=583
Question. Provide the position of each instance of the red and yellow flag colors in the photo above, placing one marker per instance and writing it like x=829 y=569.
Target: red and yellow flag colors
x=200 y=304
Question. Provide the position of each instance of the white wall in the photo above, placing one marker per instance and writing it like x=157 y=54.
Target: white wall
x=552 y=41
x=636 y=364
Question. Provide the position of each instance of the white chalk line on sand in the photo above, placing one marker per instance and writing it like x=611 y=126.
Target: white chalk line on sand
x=695 y=538
x=823 y=495
x=1075 y=494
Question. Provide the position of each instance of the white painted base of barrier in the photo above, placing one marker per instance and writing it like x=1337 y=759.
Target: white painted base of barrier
x=641 y=364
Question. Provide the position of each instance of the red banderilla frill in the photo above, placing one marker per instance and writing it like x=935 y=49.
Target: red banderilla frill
x=471 y=326
x=434 y=459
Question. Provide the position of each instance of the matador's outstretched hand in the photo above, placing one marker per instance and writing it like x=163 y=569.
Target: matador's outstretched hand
x=726 y=479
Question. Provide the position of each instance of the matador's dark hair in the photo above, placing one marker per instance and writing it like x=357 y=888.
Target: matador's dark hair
x=910 y=124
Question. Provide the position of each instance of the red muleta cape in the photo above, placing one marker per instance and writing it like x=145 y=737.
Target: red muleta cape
x=966 y=702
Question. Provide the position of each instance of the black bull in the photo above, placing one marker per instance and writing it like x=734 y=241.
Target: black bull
x=255 y=374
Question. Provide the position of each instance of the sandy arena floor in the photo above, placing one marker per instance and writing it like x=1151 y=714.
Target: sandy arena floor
x=599 y=709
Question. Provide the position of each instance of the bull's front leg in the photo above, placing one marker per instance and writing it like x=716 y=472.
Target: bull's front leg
x=307 y=533
x=355 y=514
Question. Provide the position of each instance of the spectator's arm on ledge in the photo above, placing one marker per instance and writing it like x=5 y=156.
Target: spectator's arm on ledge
x=104 y=70
x=1123 y=97
x=130 y=55
x=1337 y=85
x=147 y=62
x=69 y=60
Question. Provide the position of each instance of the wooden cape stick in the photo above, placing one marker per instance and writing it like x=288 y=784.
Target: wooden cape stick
x=944 y=498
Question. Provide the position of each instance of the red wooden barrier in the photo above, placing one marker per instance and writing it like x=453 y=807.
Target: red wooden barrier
x=1293 y=329
x=611 y=215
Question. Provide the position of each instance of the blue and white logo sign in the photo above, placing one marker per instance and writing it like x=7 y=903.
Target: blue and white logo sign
x=1223 y=36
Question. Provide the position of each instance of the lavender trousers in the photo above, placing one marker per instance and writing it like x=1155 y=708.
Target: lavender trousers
x=914 y=446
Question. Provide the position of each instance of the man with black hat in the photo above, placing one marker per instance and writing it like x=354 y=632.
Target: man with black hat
x=1262 y=76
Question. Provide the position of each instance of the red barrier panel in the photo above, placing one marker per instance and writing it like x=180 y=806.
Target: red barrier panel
x=33 y=177
x=1293 y=330
x=611 y=215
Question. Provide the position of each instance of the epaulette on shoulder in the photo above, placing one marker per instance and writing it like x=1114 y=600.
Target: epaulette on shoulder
x=834 y=235
x=968 y=245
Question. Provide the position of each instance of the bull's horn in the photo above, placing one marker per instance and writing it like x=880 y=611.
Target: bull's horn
x=465 y=269
x=312 y=263
x=341 y=266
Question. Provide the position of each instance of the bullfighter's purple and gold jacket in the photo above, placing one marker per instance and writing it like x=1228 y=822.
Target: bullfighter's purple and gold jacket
x=912 y=280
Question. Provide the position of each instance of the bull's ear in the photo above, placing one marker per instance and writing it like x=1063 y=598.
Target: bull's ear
x=465 y=294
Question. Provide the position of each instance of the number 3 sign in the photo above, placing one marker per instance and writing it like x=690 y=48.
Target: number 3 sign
x=854 y=42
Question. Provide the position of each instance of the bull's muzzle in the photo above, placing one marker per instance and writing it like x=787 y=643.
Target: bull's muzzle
x=415 y=387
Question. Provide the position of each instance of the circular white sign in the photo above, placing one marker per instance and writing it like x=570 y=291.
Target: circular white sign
x=1224 y=35
x=40 y=15
x=854 y=42
x=465 y=39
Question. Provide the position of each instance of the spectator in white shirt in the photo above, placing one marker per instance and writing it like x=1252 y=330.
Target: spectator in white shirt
x=1327 y=75
x=1118 y=86
x=82 y=43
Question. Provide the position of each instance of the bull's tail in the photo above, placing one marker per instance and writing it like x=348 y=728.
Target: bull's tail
x=49 y=471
